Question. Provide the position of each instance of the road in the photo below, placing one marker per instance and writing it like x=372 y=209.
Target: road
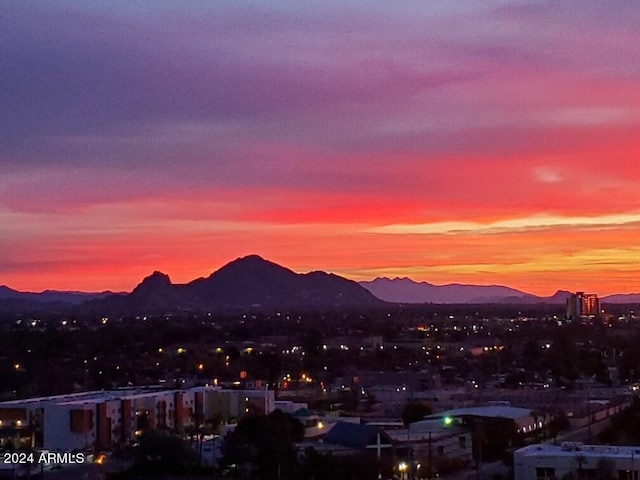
x=84 y=471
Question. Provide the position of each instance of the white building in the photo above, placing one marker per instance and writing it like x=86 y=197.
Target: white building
x=541 y=462
x=521 y=417
x=435 y=439
x=105 y=419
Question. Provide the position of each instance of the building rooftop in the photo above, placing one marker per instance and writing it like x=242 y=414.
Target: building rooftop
x=403 y=435
x=492 y=411
x=354 y=435
x=98 y=396
x=571 y=449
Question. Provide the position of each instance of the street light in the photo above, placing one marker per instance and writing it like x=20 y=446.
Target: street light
x=402 y=468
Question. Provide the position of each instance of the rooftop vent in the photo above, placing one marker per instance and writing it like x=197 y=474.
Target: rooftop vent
x=571 y=446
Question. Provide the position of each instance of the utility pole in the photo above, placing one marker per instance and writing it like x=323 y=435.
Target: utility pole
x=479 y=442
x=378 y=447
x=409 y=452
x=430 y=456
x=589 y=414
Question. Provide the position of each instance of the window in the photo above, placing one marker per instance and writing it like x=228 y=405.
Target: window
x=440 y=449
x=462 y=441
x=545 y=472
x=627 y=475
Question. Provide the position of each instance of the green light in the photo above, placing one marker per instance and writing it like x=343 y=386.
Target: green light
x=447 y=421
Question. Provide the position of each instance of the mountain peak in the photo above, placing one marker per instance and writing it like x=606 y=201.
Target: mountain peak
x=253 y=281
x=251 y=258
x=6 y=292
x=155 y=280
x=250 y=265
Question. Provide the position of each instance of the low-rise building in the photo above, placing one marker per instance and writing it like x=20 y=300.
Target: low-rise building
x=442 y=444
x=522 y=418
x=105 y=419
x=573 y=459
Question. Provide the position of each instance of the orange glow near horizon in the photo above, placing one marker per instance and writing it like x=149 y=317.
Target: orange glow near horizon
x=438 y=140
x=538 y=255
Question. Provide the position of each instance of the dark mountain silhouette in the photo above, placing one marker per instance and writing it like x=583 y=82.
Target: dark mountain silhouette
x=249 y=282
x=560 y=297
x=50 y=296
x=622 y=298
x=156 y=292
x=405 y=290
x=253 y=282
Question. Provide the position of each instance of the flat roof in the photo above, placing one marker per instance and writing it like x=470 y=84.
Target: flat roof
x=84 y=397
x=106 y=395
x=403 y=435
x=119 y=393
x=492 y=411
x=571 y=449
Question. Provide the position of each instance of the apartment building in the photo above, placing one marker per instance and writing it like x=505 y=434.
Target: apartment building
x=105 y=419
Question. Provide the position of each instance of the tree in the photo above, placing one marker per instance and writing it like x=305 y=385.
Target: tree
x=160 y=452
x=558 y=422
x=266 y=443
x=493 y=436
x=415 y=411
x=531 y=354
x=608 y=435
x=562 y=357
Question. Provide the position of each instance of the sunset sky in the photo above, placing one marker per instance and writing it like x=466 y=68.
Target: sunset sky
x=486 y=142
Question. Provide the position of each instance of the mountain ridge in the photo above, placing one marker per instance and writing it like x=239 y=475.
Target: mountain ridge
x=246 y=282
x=406 y=290
x=254 y=282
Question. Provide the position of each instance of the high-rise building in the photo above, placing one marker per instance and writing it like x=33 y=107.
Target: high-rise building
x=581 y=305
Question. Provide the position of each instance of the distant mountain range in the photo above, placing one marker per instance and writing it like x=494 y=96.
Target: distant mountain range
x=255 y=283
x=245 y=283
x=50 y=296
x=405 y=290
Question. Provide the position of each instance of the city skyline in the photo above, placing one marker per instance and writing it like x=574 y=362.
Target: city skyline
x=475 y=142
